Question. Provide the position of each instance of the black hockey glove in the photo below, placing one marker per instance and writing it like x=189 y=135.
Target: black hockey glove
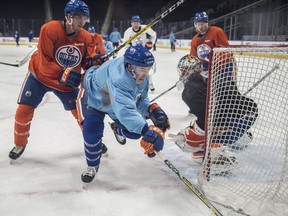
x=149 y=45
x=159 y=117
x=70 y=77
x=97 y=60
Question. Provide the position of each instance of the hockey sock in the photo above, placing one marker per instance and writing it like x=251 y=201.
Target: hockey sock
x=23 y=118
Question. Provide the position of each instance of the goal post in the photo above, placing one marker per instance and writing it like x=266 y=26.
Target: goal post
x=247 y=114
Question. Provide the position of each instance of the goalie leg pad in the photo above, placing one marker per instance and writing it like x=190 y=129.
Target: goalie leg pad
x=194 y=136
x=190 y=139
x=200 y=153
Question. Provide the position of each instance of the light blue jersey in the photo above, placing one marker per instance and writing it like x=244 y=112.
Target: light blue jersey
x=115 y=37
x=112 y=89
x=109 y=47
x=172 y=37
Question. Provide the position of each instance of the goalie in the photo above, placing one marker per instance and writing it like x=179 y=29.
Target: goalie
x=237 y=112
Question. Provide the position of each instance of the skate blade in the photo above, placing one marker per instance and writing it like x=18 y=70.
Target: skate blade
x=12 y=162
x=105 y=155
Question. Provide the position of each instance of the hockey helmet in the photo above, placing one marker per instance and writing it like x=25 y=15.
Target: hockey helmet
x=188 y=65
x=138 y=56
x=201 y=17
x=135 y=18
x=77 y=7
x=91 y=29
x=105 y=37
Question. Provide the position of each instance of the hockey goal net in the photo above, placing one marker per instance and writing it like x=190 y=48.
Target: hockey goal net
x=247 y=115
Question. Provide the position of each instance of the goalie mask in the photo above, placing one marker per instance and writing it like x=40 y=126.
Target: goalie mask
x=188 y=65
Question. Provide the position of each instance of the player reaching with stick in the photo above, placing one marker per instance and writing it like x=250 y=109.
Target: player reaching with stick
x=119 y=88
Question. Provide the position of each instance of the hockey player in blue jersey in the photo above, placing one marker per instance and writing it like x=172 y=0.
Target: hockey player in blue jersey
x=119 y=88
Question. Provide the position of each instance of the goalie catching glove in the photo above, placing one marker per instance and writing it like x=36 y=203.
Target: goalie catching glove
x=159 y=117
x=153 y=140
x=70 y=77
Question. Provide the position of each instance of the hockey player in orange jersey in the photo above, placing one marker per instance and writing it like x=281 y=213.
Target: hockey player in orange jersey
x=98 y=40
x=202 y=44
x=64 y=48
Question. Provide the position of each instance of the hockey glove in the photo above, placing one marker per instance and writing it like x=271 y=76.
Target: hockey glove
x=159 y=117
x=70 y=77
x=153 y=140
x=97 y=60
x=149 y=45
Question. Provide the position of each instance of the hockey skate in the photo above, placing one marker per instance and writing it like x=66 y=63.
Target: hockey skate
x=16 y=152
x=117 y=133
x=89 y=174
x=151 y=87
x=104 y=148
x=104 y=151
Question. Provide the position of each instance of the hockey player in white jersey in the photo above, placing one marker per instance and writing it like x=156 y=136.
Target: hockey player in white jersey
x=120 y=88
x=147 y=38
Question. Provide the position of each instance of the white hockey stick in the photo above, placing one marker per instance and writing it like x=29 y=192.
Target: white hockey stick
x=21 y=62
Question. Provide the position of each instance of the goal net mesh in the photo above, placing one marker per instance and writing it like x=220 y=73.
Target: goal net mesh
x=246 y=158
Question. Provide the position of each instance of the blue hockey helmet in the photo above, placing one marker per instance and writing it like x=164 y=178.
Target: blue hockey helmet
x=201 y=17
x=139 y=56
x=91 y=29
x=77 y=7
x=105 y=37
x=135 y=18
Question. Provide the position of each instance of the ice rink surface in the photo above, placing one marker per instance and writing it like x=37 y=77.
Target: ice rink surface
x=46 y=179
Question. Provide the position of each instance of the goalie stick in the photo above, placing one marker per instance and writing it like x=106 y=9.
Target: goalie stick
x=190 y=186
x=21 y=62
x=172 y=87
x=153 y=22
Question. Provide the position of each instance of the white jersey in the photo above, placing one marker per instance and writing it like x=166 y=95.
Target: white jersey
x=144 y=37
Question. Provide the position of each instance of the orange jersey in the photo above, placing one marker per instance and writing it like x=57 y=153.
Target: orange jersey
x=201 y=46
x=56 y=50
x=99 y=45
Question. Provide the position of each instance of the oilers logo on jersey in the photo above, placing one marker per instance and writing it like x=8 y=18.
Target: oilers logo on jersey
x=203 y=52
x=68 y=56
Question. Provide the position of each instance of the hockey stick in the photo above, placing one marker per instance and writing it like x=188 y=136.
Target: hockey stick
x=261 y=79
x=190 y=186
x=21 y=62
x=164 y=92
x=153 y=22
